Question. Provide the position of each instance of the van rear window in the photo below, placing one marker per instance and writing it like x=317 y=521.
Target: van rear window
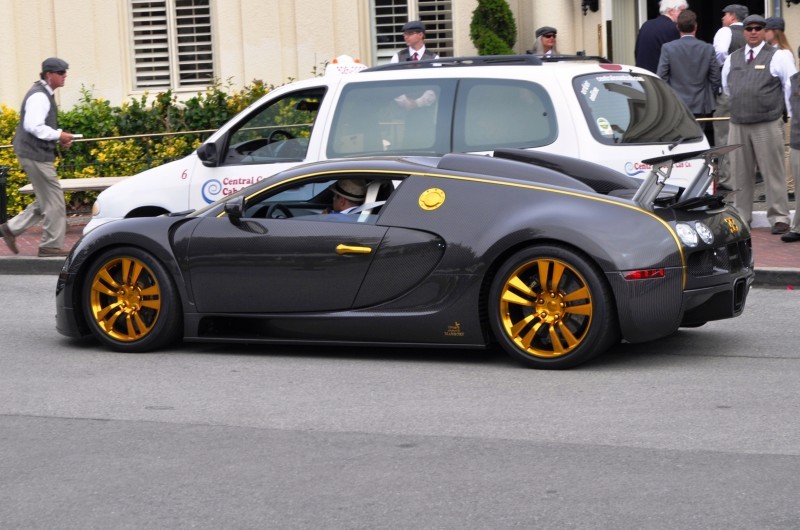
x=624 y=108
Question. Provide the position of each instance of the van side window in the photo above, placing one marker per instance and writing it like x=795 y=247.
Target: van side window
x=393 y=117
x=278 y=132
x=493 y=113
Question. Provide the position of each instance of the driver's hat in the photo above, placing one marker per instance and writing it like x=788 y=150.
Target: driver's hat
x=351 y=189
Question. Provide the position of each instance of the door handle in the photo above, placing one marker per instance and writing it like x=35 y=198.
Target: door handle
x=351 y=249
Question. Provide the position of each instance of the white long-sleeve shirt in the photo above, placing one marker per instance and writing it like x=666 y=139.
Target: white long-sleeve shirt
x=37 y=106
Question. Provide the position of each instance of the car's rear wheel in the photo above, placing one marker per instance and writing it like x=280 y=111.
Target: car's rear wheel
x=551 y=308
x=130 y=301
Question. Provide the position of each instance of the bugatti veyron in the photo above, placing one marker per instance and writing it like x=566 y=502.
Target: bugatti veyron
x=554 y=259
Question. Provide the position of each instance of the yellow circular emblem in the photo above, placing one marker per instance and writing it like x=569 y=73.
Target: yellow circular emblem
x=431 y=199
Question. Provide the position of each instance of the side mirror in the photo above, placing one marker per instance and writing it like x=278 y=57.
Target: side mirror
x=234 y=209
x=208 y=155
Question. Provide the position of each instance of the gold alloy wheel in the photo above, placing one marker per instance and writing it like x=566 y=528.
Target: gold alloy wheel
x=125 y=299
x=546 y=308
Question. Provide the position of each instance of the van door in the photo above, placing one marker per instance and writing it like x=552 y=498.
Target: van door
x=276 y=136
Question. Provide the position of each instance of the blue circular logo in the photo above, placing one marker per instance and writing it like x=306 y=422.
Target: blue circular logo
x=210 y=189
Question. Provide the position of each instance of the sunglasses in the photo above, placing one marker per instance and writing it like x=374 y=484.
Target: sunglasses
x=549 y=36
x=754 y=28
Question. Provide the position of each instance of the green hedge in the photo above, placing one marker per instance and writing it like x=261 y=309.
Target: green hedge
x=97 y=118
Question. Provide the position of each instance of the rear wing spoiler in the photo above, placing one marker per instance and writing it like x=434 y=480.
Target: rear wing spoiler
x=662 y=168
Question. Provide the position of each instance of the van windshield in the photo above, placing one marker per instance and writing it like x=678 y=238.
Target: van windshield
x=627 y=108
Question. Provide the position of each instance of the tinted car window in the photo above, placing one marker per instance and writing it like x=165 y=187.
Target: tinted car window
x=393 y=117
x=493 y=113
x=278 y=132
x=623 y=108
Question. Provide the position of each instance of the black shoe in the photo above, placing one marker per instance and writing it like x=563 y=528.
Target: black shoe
x=780 y=228
x=761 y=198
x=759 y=178
x=790 y=237
x=791 y=195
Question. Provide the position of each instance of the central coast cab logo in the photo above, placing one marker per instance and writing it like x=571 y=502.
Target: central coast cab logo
x=214 y=189
x=636 y=168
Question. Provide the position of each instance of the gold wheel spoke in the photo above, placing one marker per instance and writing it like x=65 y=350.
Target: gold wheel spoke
x=104 y=277
x=140 y=325
x=544 y=267
x=583 y=309
x=101 y=288
x=558 y=272
x=513 y=298
x=152 y=304
x=519 y=326
x=137 y=271
x=578 y=294
x=572 y=341
x=556 y=341
x=528 y=338
x=109 y=316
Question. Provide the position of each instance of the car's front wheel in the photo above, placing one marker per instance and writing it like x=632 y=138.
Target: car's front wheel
x=130 y=301
x=551 y=308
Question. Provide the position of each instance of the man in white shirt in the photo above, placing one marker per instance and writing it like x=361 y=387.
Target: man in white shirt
x=414 y=35
x=729 y=38
x=35 y=146
x=757 y=79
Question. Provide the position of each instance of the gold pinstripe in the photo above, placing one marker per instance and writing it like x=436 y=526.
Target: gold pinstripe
x=493 y=182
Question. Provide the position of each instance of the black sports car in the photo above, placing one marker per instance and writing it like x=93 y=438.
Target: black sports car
x=554 y=258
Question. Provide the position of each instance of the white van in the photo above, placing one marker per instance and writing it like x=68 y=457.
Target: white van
x=582 y=107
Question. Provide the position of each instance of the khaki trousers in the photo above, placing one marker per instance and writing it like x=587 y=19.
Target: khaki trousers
x=762 y=144
x=49 y=206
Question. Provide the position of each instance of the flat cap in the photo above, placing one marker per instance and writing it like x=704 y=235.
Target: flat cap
x=544 y=30
x=775 y=23
x=414 y=25
x=755 y=19
x=739 y=10
x=54 y=64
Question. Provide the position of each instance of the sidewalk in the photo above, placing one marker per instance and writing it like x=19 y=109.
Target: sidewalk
x=777 y=263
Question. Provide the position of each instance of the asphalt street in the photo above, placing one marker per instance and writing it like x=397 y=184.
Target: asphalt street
x=697 y=430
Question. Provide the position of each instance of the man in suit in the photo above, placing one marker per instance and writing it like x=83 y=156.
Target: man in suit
x=655 y=32
x=690 y=67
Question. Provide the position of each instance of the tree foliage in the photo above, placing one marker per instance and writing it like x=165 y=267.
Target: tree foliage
x=493 y=30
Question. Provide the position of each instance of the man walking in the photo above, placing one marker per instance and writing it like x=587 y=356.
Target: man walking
x=757 y=79
x=655 y=32
x=690 y=67
x=35 y=145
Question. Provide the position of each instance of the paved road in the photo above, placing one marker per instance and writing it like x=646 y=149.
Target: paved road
x=697 y=430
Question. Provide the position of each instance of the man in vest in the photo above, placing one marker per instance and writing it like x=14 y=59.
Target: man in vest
x=414 y=35
x=728 y=39
x=35 y=146
x=757 y=79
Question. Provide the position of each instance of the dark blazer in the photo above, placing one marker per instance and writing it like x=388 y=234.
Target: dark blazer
x=690 y=67
x=652 y=35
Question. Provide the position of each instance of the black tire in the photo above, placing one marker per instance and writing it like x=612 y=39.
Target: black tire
x=130 y=301
x=551 y=308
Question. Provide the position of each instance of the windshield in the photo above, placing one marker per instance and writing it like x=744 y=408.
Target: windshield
x=626 y=108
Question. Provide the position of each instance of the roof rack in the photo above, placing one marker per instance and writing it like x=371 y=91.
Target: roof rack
x=486 y=60
x=566 y=58
x=478 y=60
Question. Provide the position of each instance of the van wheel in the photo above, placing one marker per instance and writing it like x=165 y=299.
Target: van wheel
x=551 y=308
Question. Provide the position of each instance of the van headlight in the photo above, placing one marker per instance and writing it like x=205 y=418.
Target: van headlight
x=96 y=209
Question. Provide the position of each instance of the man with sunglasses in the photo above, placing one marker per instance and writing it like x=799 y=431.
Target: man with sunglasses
x=35 y=143
x=757 y=78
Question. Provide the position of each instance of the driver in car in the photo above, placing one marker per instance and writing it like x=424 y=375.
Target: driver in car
x=348 y=194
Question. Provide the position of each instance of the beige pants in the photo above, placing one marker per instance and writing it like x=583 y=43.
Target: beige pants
x=762 y=144
x=49 y=206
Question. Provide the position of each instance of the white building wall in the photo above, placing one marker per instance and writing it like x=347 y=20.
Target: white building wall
x=268 y=40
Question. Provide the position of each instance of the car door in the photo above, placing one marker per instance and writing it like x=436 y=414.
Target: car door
x=279 y=265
